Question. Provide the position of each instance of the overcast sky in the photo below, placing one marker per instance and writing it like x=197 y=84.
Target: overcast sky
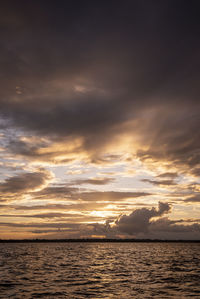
x=100 y=119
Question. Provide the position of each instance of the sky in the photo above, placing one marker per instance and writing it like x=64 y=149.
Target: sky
x=99 y=119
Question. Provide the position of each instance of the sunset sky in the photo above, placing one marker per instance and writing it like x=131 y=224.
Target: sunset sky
x=100 y=119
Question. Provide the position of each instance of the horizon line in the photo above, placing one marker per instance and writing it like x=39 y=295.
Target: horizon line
x=100 y=240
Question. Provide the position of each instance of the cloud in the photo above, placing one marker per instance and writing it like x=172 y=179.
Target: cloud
x=77 y=207
x=11 y=166
x=111 y=196
x=170 y=175
x=175 y=141
x=93 y=83
x=36 y=224
x=107 y=84
x=94 y=181
x=139 y=220
x=44 y=215
x=196 y=171
x=141 y=223
x=25 y=182
x=74 y=207
x=56 y=193
x=40 y=149
x=169 y=182
x=56 y=216
x=68 y=192
x=193 y=199
x=166 y=229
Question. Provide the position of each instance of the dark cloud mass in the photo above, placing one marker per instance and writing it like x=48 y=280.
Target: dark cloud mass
x=93 y=67
x=25 y=182
x=101 y=83
x=139 y=220
x=140 y=224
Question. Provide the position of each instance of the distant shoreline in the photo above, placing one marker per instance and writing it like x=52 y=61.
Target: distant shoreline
x=96 y=240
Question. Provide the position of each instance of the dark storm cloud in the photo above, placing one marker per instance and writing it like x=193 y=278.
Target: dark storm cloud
x=86 y=69
x=139 y=220
x=25 y=182
x=140 y=224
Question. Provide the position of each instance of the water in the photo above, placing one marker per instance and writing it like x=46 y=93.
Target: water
x=100 y=270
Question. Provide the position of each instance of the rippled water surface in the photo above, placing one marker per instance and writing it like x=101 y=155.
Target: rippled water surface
x=100 y=270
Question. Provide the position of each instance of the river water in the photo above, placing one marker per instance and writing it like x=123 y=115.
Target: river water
x=99 y=270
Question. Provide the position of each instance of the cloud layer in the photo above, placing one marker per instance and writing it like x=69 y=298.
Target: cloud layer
x=101 y=88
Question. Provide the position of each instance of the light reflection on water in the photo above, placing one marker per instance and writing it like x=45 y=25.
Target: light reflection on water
x=100 y=270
